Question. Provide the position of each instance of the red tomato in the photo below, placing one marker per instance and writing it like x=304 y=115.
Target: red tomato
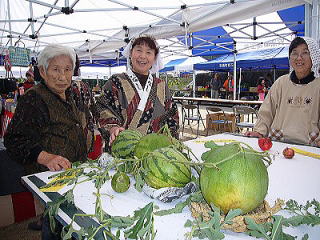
x=288 y=153
x=265 y=143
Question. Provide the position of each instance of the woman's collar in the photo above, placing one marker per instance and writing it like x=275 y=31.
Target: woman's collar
x=305 y=80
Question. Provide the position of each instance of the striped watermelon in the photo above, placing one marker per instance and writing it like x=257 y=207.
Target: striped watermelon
x=161 y=173
x=151 y=142
x=125 y=143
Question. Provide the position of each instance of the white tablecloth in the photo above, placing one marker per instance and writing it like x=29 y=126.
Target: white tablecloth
x=296 y=178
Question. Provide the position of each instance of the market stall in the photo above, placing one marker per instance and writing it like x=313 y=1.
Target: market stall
x=295 y=178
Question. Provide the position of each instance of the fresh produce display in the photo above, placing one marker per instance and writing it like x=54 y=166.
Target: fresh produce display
x=125 y=143
x=233 y=182
x=265 y=143
x=166 y=167
x=151 y=142
x=120 y=182
x=241 y=180
x=288 y=153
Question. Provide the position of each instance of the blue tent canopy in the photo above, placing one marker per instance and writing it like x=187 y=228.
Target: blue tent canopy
x=260 y=59
x=182 y=64
x=293 y=18
x=213 y=41
x=217 y=41
x=170 y=65
x=103 y=63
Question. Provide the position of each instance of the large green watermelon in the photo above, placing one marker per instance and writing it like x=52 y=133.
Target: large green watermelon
x=162 y=173
x=151 y=142
x=125 y=143
x=241 y=181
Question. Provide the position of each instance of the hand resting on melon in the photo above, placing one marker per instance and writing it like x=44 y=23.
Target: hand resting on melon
x=114 y=132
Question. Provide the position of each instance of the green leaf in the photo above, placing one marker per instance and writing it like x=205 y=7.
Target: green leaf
x=144 y=216
x=139 y=182
x=277 y=228
x=188 y=223
x=293 y=221
x=256 y=230
x=212 y=145
x=231 y=214
x=122 y=222
x=216 y=217
x=177 y=209
x=68 y=230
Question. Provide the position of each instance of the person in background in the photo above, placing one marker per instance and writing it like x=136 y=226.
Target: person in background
x=215 y=85
x=228 y=86
x=268 y=79
x=49 y=129
x=261 y=88
x=137 y=99
x=29 y=83
x=291 y=110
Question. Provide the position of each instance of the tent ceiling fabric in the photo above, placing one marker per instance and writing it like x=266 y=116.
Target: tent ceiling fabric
x=95 y=28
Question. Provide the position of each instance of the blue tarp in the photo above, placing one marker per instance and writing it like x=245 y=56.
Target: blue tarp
x=260 y=59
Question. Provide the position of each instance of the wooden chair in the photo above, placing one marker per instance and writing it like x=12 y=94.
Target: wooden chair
x=245 y=117
x=191 y=113
x=217 y=117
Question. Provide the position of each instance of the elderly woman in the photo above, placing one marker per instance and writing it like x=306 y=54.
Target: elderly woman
x=137 y=99
x=49 y=128
x=291 y=110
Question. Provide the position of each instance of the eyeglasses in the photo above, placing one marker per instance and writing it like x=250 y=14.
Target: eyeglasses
x=304 y=55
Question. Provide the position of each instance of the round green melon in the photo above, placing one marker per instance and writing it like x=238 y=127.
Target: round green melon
x=120 y=182
x=125 y=143
x=241 y=182
x=151 y=142
x=162 y=173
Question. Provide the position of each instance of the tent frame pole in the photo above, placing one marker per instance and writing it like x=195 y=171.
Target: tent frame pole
x=45 y=4
x=240 y=79
x=194 y=83
x=31 y=17
x=315 y=28
x=9 y=17
x=234 y=75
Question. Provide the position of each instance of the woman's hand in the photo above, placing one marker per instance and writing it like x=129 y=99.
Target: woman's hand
x=53 y=162
x=114 y=132
x=253 y=134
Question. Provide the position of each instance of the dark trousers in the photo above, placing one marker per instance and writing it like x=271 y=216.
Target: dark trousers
x=46 y=233
x=10 y=175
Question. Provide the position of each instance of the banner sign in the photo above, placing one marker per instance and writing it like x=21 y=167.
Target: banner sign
x=19 y=56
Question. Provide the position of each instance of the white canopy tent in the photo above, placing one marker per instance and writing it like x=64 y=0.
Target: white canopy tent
x=99 y=29
x=95 y=28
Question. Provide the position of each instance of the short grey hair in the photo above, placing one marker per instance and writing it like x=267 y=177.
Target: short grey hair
x=54 y=50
